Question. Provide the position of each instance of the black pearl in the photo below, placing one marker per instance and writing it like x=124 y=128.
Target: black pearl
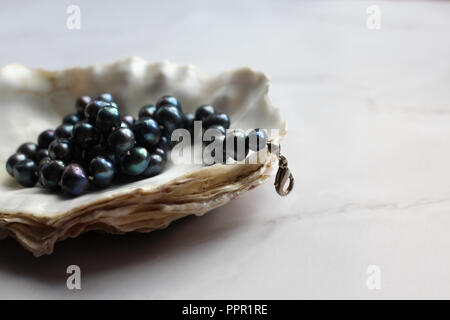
x=203 y=112
x=170 y=118
x=135 y=161
x=85 y=134
x=123 y=124
x=13 y=160
x=106 y=97
x=60 y=150
x=236 y=143
x=74 y=180
x=71 y=119
x=168 y=100
x=50 y=174
x=108 y=118
x=45 y=138
x=220 y=119
x=121 y=140
x=147 y=111
x=160 y=152
x=92 y=110
x=41 y=154
x=257 y=139
x=29 y=149
x=155 y=166
x=129 y=120
x=188 y=123
x=64 y=131
x=147 y=132
x=81 y=104
x=163 y=143
x=26 y=173
x=102 y=172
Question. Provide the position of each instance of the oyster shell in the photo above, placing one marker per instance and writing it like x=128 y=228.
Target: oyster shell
x=33 y=100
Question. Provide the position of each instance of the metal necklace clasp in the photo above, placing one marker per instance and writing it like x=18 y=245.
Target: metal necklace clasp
x=284 y=175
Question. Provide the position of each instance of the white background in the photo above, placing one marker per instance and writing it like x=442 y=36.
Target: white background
x=369 y=145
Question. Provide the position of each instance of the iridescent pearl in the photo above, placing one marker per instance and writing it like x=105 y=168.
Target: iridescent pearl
x=29 y=149
x=147 y=111
x=71 y=119
x=108 y=118
x=170 y=118
x=60 y=150
x=74 y=180
x=203 y=112
x=102 y=171
x=64 y=131
x=50 y=174
x=168 y=100
x=155 y=166
x=45 y=138
x=106 y=97
x=121 y=140
x=135 y=161
x=12 y=161
x=147 y=132
x=92 y=110
x=85 y=134
x=26 y=173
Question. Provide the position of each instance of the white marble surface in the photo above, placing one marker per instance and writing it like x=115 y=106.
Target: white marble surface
x=369 y=145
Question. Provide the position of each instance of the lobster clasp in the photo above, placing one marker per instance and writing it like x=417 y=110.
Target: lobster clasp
x=283 y=176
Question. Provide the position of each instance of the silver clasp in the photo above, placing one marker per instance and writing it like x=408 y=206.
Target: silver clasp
x=284 y=175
